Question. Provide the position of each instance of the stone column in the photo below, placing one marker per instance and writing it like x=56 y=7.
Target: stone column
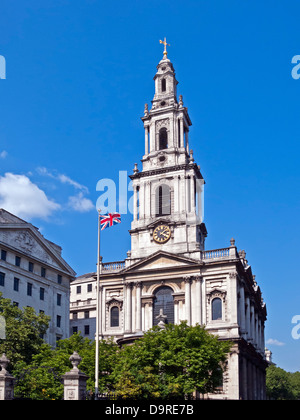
x=192 y=194
x=244 y=378
x=256 y=330
x=142 y=201
x=198 y=299
x=187 y=141
x=138 y=307
x=147 y=187
x=252 y=322
x=135 y=208
x=187 y=194
x=188 y=299
x=75 y=381
x=242 y=310
x=128 y=314
x=146 y=139
x=176 y=195
x=176 y=310
x=248 y=324
x=181 y=132
x=7 y=381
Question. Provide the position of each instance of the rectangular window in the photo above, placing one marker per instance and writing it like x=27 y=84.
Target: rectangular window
x=78 y=289
x=3 y=255
x=2 y=279
x=75 y=330
x=43 y=272
x=89 y=287
x=16 y=284
x=42 y=293
x=59 y=279
x=18 y=261
x=58 y=321
x=58 y=299
x=86 y=314
x=86 y=330
x=75 y=316
x=30 y=266
x=29 y=289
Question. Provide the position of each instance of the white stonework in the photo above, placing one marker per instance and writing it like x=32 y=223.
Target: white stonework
x=33 y=273
x=168 y=276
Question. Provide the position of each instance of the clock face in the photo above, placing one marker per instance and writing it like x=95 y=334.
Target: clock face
x=161 y=234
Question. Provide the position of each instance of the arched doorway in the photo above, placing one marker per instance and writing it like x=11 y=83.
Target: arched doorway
x=163 y=299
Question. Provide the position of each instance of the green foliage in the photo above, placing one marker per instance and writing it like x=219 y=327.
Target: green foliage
x=24 y=329
x=170 y=363
x=41 y=380
x=164 y=363
x=282 y=385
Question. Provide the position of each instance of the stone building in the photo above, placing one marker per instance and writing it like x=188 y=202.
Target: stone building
x=168 y=276
x=33 y=273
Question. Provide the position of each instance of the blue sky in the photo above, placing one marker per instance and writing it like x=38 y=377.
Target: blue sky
x=78 y=74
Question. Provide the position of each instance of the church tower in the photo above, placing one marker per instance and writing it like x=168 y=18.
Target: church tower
x=168 y=192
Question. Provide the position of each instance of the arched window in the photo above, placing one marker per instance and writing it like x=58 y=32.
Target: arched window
x=163 y=200
x=216 y=309
x=114 y=316
x=163 y=139
x=163 y=300
x=163 y=85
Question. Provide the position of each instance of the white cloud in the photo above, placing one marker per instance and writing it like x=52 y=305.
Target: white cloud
x=274 y=342
x=64 y=179
x=21 y=197
x=80 y=203
x=76 y=202
x=67 y=180
x=3 y=154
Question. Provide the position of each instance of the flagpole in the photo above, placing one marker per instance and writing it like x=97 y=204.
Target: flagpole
x=97 y=313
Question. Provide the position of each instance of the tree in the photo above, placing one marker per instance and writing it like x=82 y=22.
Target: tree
x=295 y=384
x=24 y=329
x=278 y=384
x=282 y=385
x=171 y=363
x=41 y=379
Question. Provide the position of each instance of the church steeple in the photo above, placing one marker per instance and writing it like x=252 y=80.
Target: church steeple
x=167 y=192
x=167 y=123
x=165 y=85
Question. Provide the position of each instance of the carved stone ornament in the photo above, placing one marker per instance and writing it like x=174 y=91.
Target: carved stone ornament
x=25 y=241
x=216 y=293
x=75 y=359
x=114 y=302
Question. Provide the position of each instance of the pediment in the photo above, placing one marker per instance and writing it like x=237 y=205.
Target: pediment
x=161 y=260
x=26 y=239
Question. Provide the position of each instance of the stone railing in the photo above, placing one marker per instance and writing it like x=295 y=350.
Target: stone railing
x=215 y=253
x=219 y=254
x=113 y=267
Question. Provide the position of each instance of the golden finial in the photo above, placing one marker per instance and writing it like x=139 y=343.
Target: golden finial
x=165 y=44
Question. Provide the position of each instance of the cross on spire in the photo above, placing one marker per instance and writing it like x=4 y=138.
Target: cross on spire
x=165 y=48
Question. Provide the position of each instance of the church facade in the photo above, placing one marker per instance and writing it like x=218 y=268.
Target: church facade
x=168 y=276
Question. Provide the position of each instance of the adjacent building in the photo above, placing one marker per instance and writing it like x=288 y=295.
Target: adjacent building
x=33 y=273
x=168 y=275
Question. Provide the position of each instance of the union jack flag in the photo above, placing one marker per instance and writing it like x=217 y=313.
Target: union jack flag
x=109 y=220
